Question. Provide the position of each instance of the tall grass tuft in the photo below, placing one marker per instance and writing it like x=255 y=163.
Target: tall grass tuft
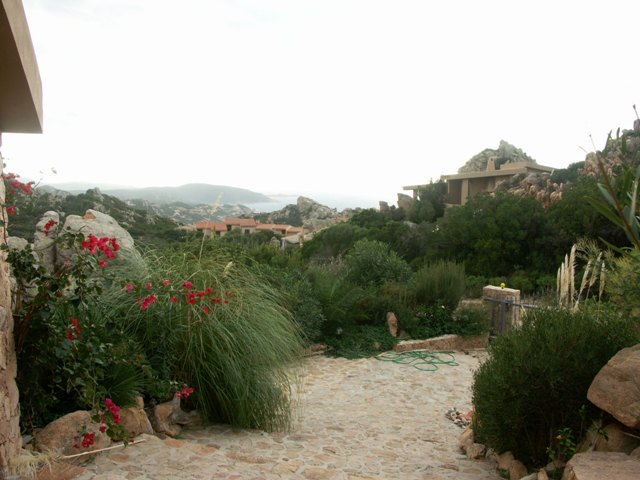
x=235 y=343
x=594 y=273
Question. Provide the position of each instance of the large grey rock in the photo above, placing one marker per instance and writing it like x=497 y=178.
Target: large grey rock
x=101 y=225
x=616 y=387
x=602 y=466
x=135 y=420
x=44 y=241
x=60 y=436
x=616 y=440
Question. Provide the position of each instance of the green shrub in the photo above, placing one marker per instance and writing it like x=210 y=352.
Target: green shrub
x=338 y=297
x=523 y=281
x=474 y=285
x=360 y=341
x=536 y=378
x=430 y=321
x=373 y=263
x=471 y=320
x=439 y=283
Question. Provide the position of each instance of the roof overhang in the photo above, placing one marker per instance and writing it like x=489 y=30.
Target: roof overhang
x=20 y=84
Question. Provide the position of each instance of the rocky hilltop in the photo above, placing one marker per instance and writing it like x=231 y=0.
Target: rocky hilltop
x=305 y=213
x=505 y=153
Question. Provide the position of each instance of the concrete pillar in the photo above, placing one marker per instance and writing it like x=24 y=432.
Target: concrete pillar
x=464 y=193
x=505 y=307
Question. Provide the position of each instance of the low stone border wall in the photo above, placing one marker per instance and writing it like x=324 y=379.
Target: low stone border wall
x=445 y=343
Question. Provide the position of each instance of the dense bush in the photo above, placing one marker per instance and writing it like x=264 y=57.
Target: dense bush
x=371 y=263
x=361 y=341
x=536 y=378
x=439 y=283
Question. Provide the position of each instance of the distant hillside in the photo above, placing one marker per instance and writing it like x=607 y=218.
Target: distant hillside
x=193 y=193
x=143 y=225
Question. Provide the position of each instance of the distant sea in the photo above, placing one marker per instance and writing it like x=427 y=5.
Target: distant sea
x=337 y=201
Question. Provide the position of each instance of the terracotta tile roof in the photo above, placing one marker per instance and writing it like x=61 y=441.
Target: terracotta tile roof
x=214 y=226
x=240 y=222
x=295 y=230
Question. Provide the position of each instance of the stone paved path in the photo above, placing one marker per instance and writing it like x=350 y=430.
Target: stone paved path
x=358 y=419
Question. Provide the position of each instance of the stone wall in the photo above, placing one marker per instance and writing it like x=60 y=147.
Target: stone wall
x=10 y=440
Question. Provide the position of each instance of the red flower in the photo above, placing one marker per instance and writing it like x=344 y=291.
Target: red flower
x=103 y=263
x=11 y=210
x=129 y=287
x=174 y=299
x=188 y=285
x=103 y=428
x=209 y=290
x=205 y=309
x=49 y=225
x=149 y=285
x=70 y=335
x=166 y=282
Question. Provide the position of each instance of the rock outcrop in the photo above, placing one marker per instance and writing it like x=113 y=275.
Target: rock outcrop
x=505 y=153
x=616 y=388
x=306 y=213
x=64 y=435
x=602 y=466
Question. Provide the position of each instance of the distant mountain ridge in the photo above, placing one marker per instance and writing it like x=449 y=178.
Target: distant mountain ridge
x=192 y=193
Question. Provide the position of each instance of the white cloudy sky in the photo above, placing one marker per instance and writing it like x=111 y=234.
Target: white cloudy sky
x=343 y=96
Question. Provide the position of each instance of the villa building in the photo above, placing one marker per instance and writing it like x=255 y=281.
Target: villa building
x=461 y=186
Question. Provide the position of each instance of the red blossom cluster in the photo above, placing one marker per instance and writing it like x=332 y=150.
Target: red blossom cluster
x=73 y=332
x=49 y=225
x=108 y=246
x=191 y=296
x=16 y=187
x=147 y=302
x=88 y=439
x=185 y=392
x=114 y=410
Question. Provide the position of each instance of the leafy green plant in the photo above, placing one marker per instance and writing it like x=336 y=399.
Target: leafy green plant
x=360 y=341
x=536 y=378
x=439 y=283
x=372 y=263
x=69 y=356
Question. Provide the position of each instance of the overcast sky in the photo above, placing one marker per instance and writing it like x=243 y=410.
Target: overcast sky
x=299 y=96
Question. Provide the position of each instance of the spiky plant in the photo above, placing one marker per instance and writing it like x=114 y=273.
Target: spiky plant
x=213 y=324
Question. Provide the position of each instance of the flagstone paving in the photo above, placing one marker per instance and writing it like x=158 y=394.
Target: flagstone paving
x=357 y=420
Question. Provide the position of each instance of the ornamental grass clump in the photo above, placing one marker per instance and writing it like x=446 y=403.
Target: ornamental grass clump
x=215 y=325
x=536 y=378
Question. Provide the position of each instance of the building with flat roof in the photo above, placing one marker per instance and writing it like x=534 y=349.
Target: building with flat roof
x=461 y=186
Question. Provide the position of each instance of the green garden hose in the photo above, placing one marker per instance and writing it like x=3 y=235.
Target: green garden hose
x=420 y=359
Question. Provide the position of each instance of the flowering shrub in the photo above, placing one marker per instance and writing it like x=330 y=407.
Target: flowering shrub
x=68 y=356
